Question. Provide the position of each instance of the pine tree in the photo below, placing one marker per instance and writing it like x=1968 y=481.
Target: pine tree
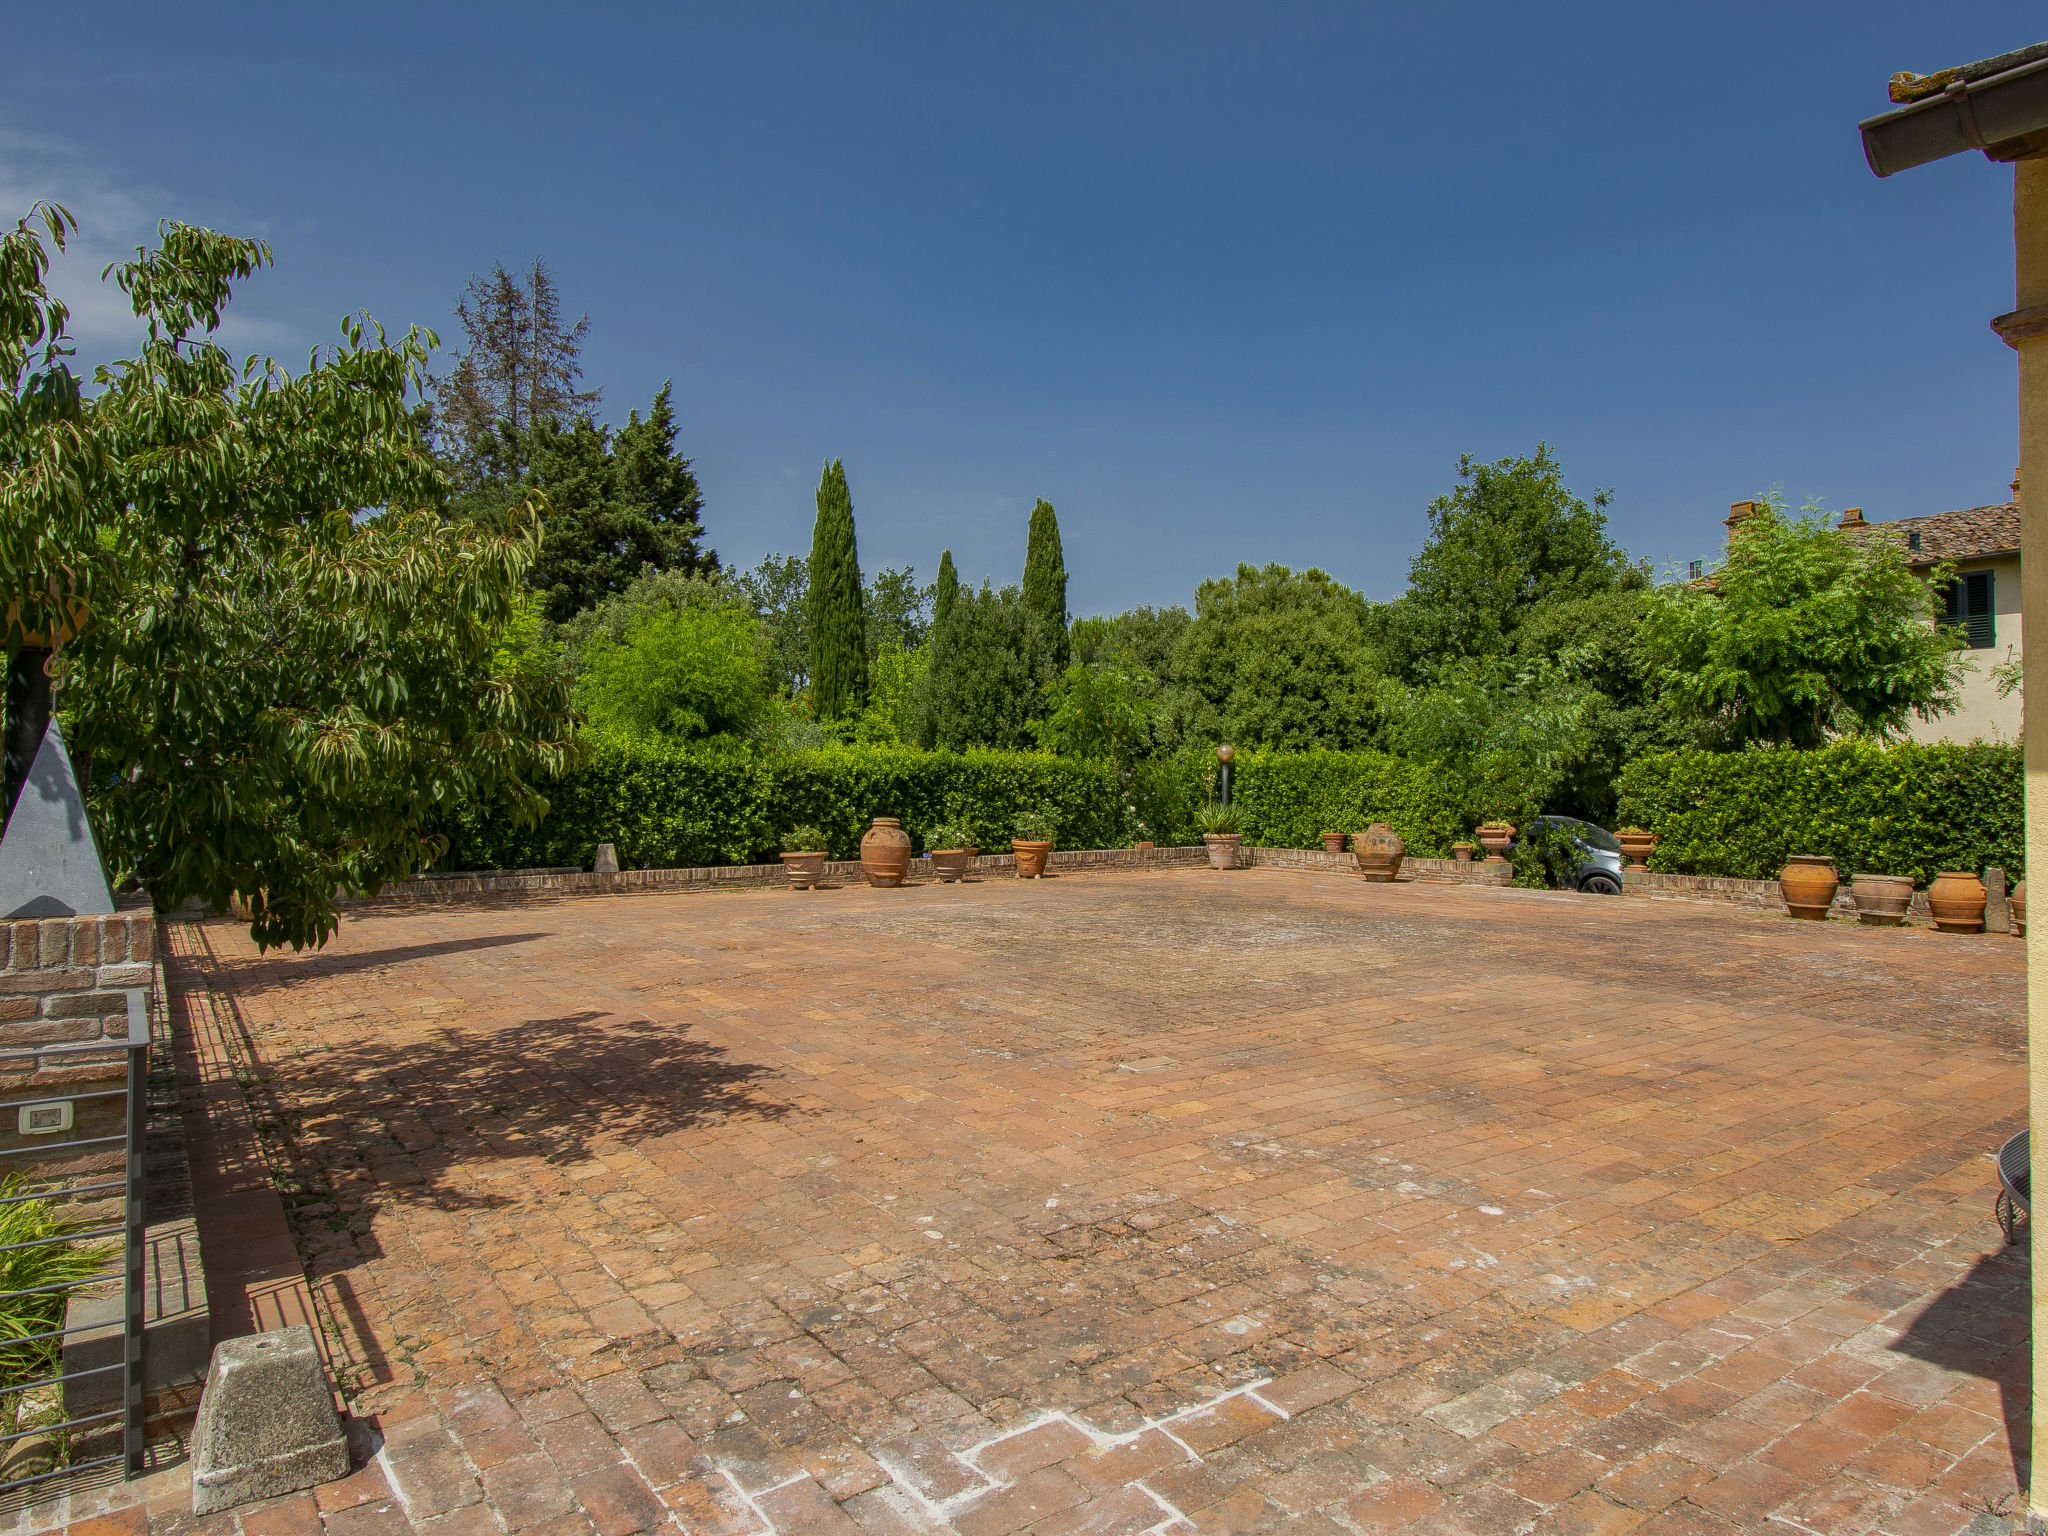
x=946 y=589
x=839 y=682
x=1045 y=580
x=519 y=370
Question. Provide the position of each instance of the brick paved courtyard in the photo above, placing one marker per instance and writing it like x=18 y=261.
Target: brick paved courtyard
x=1165 y=1201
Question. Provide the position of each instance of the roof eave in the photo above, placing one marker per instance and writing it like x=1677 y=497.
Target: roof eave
x=2004 y=115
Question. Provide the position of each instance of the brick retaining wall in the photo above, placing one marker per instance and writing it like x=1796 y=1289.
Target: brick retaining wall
x=1761 y=895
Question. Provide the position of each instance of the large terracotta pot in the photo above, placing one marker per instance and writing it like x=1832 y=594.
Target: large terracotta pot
x=2018 y=902
x=1495 y=841
x=1031 y=857
x=951 y=864
x=1379 y=851
x=806 y=871
x=1808 y=883
x=1333 y=842
x=1957 y=901
x=1882 y=901
x=1223 y=848
x=1637 y=846
x=885 y=852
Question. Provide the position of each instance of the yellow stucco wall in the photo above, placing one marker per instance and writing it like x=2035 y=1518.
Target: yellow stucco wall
x=1984 y=716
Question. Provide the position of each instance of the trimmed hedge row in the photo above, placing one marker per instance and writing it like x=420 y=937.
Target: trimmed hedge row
x=1290 y=799
x=1909 y=809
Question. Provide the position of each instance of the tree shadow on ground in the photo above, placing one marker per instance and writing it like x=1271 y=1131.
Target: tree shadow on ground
x=282 y=968
x=1982 y=1326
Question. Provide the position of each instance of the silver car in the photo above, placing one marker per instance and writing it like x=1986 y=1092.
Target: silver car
x=1600 y=858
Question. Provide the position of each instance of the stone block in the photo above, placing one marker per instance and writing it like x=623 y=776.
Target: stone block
x=53 y=943
x=141 y=936
x=267 y=1424
x=85 y=1005
x=21 y=954
x=18 y=983
x=133 y=973
x=113 y=939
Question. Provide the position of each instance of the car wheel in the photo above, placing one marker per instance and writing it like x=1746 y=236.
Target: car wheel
x=1601 y=884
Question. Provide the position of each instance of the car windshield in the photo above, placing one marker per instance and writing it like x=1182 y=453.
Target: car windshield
x=1586 y=832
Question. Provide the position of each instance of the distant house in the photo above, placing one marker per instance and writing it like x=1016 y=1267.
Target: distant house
x=1983 y=604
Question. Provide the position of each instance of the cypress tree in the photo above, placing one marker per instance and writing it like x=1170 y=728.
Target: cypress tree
x=839 y=663
x=945 y=590
x=1045 y=581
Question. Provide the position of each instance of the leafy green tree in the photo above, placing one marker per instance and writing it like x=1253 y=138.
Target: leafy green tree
x=1511 y=538
x=945 y=589
x=897 y=611
x=990 y=660
x=1275 y=658
x=618 y=504
x=1522 y=723
x=1103 y=710
x=780 y=590
x=1045 y=579
x=890 y=715
x=677 y=674
x=838 y=632
x=1145 y=637
x=1802 y=635
x=291 y=669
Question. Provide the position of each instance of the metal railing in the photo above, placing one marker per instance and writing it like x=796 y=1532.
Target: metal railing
x=75 y=1171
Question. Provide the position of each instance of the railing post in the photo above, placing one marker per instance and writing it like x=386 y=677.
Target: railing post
x=134 y=1335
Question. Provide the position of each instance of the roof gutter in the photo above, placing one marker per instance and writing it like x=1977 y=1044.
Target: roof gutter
x=2005 y=115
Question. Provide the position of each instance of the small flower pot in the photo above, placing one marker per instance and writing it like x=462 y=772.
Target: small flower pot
x=1333 y=842
x=1636 y=847
x=1462 y=852
x=1031 y=857
x=1495 y=840
x=951 y=864
x=806 y=871
x=1143 y=846
x=1379 y=851
x=1882 y=901
x=1957 y=901
x=1223 y=848
x=885 y=852
x=1808 y=883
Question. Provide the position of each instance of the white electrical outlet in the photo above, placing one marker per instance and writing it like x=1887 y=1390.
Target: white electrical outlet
x=43 y=1119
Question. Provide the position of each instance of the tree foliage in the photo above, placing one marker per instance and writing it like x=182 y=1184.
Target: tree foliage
x=838 y=631
x=1275 y=658
x=1102 y=710
x=618 y=504
x=945 y=589
x=1803 y=634
x=1045 y=579
x=291 y=670
x=518 y=369
x=990 y=661
x=678 y=673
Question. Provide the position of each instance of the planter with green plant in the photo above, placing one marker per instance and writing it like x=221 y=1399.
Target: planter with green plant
x=803 y=857
x=1494 y=837
x=951 y=847
x=51 y=1272
x=1636 y=843
x=1223 y=832
x=1033 y=842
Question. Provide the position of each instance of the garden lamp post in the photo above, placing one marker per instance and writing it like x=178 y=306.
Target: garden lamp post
x=1225 y=756
x=2000 y=106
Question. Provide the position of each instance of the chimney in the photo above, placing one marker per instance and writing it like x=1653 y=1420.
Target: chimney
x=1852 y=517
x=1740 y=512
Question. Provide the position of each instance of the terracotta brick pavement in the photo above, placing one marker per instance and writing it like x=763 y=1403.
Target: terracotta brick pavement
x=1170 y=1202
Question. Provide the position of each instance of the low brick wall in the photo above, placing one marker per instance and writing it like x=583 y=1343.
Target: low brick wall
x=1426 y=871
x=1760 y=895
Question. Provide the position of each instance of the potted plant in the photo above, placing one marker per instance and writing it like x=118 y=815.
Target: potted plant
x=1808 y=882
x=1495 y=836
x=1882 y=901
x=803 y=857
x=950 y=845
x=1223 y=831
x=1463 y=852
x=1636 y=843
x=1032 y=842
x=1333 y=842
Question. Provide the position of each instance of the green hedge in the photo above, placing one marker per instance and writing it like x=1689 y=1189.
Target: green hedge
x=1900 y=810
x=1290 y=799
x=722 y=803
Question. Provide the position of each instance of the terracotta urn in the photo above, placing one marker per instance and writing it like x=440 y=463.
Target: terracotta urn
x=1142 y=845
x=1379 y=851
x=885 y=852
x=1223 y=848
x=1031 y=857
x=1882 y=901
x=2017 y=900
x=1462 y=852
x=1333 y=842
x=951 y=864
x=1957 y=901
x=1637 y=846
x=1808 y=883
x=1495 y=839
x=806 y=871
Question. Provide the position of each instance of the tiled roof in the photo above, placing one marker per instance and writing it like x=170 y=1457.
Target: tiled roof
x=1969 y=534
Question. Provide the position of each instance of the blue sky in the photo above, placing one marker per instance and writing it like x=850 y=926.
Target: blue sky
x=1223 y=283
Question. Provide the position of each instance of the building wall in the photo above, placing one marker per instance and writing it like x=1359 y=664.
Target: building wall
x=1983 y=715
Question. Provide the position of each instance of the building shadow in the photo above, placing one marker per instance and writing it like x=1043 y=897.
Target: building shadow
x=1981 y=1326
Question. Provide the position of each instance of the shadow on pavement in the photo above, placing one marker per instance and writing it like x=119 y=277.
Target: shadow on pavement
x=1982 y=1327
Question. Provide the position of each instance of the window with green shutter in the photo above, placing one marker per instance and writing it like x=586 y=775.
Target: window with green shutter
x=1969 y=607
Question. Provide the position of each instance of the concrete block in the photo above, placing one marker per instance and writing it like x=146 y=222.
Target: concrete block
x=607 y=862
x=267 y=1424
